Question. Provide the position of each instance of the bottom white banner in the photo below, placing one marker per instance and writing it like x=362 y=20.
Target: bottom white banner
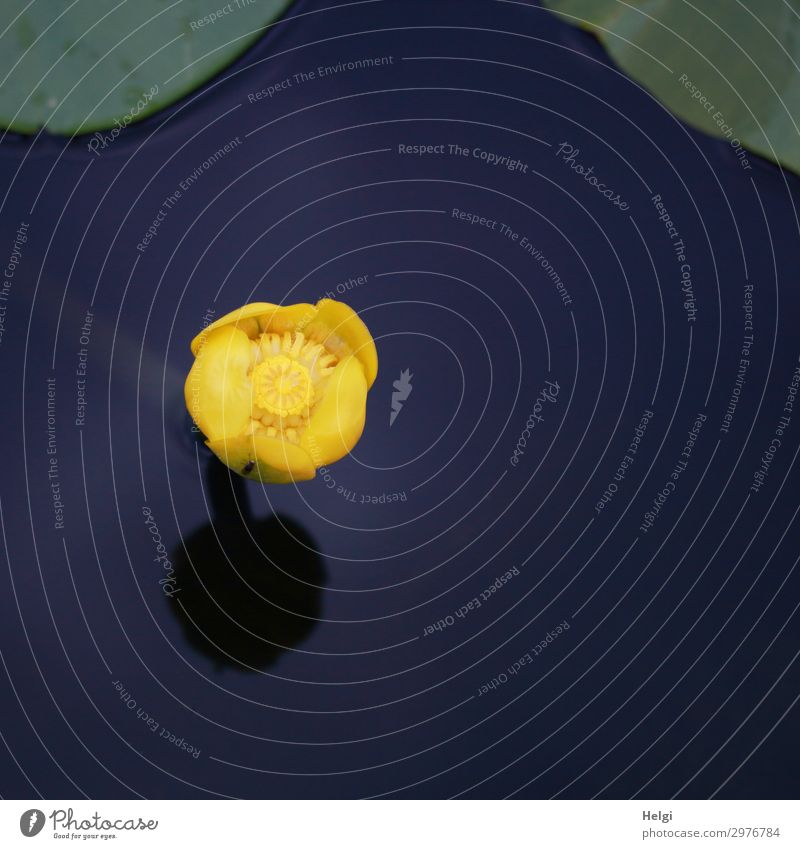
x=404 y=823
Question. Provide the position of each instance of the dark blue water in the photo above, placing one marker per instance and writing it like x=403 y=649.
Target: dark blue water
x=610 y=611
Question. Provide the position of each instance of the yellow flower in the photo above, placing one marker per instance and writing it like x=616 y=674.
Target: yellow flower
x=280 y=390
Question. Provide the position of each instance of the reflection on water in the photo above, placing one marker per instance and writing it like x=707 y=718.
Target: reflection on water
x=249 y=588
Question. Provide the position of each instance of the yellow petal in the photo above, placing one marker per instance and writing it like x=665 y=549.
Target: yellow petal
x=255 y=318
x=264 y=458
x=245 y=318
x=288 y=318
x=344 y=326
x=217 y=390
x=337 y=422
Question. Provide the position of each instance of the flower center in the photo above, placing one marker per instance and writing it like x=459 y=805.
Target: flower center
x=288 y=375
x=282 y=386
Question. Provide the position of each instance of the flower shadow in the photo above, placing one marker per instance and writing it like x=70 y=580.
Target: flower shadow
x=246 y=589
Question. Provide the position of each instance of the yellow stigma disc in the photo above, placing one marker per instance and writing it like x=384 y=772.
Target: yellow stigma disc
x=282 y=386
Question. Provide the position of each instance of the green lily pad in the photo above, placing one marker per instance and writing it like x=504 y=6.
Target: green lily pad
x=87 y=65
x=728 y=68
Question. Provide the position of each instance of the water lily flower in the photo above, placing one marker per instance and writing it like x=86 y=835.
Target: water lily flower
x=279 y=391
